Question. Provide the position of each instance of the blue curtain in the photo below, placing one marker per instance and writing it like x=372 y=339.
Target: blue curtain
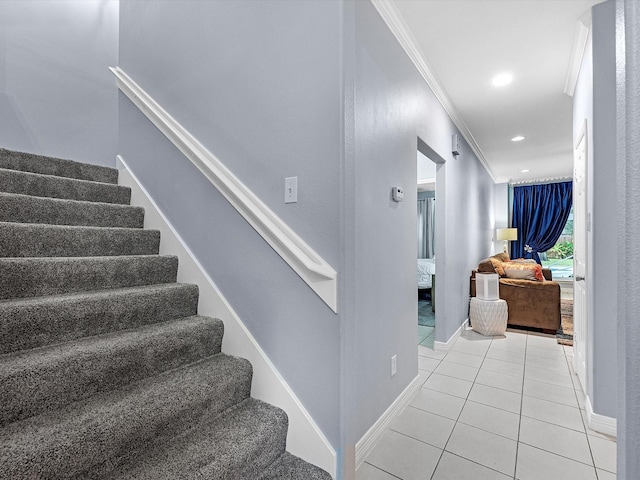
x=540 y=213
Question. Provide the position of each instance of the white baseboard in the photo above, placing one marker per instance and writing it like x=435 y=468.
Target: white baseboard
x=443 y=347
x=600 y=423
x=304 y=438
x=366 y=444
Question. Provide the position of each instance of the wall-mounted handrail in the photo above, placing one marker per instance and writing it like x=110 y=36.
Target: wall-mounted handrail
x=310 y=266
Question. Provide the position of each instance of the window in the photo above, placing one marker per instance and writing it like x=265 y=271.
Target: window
x=560 y=258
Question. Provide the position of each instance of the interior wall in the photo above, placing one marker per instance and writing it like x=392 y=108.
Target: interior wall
x=594 y=100
x=259 y=85
x=605 y=201
x=57 y=96
x=628 y=216
x=393 y=107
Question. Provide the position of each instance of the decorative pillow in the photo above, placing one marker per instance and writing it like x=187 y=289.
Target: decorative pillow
x=485 y=266
x=524 y=260
x=528 y=271
x=497 y=266
x=503 y=257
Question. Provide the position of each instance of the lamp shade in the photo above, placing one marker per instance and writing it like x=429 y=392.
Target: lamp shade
x=507 y=234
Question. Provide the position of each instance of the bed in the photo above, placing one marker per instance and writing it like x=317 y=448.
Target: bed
x=426 y=268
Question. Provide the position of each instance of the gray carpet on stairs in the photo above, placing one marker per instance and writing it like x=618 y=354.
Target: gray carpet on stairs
x=26 y=183
x=106 y=370
x=39 y=276
x=28 y=209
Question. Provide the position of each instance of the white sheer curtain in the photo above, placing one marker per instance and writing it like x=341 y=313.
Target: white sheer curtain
x=426 y=223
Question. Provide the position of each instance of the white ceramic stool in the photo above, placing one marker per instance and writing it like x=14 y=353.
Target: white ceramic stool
x=488 y=317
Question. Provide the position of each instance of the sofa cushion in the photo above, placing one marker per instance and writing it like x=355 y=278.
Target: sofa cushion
x=524 y=271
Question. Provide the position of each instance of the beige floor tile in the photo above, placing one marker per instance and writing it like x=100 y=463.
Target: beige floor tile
x=404 y=457
x=553 y=393
x=500 y=380
x=438 y=403
x=496 y=397
x=604 y=475
x=453 y=467
x=550 y=364
x=542 y=341
x=464 y=359
x=554 y=439
x=449 y=385
x=543 y=375
x=491 y=419
x=369 y=472
x=470 y=349
x=457 y=370
x=501 y=366
x=424 y=426
x=552 y=412
x=604 y=453
x=506 y=355
x=488 y=449
x=430 y=352
x=553 y=353
x=536 y=464
x=427 y=364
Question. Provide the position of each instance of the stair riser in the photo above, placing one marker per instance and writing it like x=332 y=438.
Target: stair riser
x=33 y=277
x=110 y=426
x=28 y=162
x=26 y=209
x=72 y=372
x=48 y=320
x=13 y=181
x=29 y=240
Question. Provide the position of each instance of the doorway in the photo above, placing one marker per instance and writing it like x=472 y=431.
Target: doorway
x=426 y=269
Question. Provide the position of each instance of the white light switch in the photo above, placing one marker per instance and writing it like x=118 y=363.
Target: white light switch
x=291 y=190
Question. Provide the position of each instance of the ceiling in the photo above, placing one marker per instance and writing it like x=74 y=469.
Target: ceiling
x=465 y=43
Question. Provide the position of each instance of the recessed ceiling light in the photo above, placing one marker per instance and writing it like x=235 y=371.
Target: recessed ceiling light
x=502 y=79
x=526 y=170
x=518 y=138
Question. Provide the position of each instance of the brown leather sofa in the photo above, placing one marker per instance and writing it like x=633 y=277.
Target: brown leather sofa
x=530 y=303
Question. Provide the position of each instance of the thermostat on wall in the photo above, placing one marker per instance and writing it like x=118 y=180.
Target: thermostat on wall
x=397 y=193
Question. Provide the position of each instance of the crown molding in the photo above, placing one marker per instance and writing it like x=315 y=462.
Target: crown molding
x=401 y=31
x=580 y=38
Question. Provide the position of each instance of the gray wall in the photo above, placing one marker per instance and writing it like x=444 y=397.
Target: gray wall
x=258 y=83
x=56 y=95
x=321 y=90
x=628 y=215
x=393 y=107
x=595 y=101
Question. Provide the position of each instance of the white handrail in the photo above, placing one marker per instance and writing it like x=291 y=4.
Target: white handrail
x=310 y=266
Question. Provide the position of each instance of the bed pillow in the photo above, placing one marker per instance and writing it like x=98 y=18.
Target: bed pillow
x=523 y=271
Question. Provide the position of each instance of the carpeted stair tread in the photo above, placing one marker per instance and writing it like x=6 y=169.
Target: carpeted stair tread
x=43 y=379
x=35 y=276
x=51 y=186
x=39 y=321
x=29 y=162
x=239 y=444
x=72 y=441
x=290 y=467
x=20 y=208
x=38 y=240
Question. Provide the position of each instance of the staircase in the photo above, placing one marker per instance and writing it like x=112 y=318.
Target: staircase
x=106 y=369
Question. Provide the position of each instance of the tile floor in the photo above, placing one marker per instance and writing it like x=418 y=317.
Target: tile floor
x=493 y=409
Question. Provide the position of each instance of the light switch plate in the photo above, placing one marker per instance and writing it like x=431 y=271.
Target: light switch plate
x=291 y=190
